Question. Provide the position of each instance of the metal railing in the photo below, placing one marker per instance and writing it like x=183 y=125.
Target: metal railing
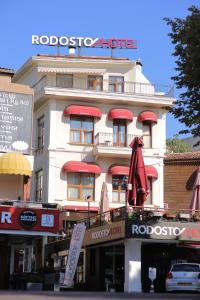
x=106 y=86
x=113 y=140
x=144 y=214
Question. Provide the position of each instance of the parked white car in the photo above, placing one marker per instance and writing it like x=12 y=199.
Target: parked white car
x=183 y=277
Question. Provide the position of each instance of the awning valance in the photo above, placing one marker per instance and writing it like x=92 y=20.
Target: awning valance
x=118 y=170
x=71 y=70
x=151 y=172
x=83 y=111
x=14 y=163
x=147 y=116
x=83 y=167
x=119 y=113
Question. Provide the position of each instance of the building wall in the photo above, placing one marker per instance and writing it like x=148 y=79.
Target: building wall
x=178 y=182
x=57 y=148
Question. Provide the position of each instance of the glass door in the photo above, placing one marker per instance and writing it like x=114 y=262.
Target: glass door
x=21 y=259
x=119 y=131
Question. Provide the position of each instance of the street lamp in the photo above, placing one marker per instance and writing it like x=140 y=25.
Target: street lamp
x=88 y=199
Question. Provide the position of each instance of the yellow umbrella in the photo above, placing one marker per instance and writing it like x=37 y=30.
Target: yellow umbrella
x=14 y=163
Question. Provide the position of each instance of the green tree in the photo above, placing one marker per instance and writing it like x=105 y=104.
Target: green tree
x=176 y=145
x=185 y=35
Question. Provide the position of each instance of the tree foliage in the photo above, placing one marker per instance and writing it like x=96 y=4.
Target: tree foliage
x=185 y=35
x=176 y=145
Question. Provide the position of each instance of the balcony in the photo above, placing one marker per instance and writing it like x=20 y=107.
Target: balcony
x=110 y=144
x=100 y=89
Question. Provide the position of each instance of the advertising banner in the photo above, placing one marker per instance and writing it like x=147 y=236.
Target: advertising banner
x=74 y=252
x=15 y=122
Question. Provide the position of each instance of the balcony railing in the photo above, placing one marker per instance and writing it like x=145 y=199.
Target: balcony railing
x=140 y=214
x=113 y=140
x=106 y=86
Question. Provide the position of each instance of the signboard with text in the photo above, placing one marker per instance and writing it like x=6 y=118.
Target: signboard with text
x=105 y=233
x=86 y=42
x=18 y=218
x=15 y=122
x=182 y=231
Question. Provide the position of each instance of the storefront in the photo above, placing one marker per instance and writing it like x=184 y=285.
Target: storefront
x=157 y=244
x=21 y=243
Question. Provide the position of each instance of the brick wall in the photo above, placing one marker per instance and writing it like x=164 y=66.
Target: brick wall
x=178 y=182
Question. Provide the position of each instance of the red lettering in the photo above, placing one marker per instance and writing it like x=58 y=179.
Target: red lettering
x=130 y=44
x=101 y=43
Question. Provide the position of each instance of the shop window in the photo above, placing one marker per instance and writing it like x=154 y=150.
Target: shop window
x=149 y=200
x=80 y=186
x=81 y=130
x=116 y=84
x=119 y=184
x=64 y=80
x=39 y=185
x=147 y=134
x=95 y=83
x=40 y=134
x=119 y=132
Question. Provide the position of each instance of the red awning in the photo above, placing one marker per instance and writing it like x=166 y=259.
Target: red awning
x=83 y=111
x=78 y=166
x=118 y=170
x=147 y=116
x=151 y=172
x=189 y=245
x=118 y=113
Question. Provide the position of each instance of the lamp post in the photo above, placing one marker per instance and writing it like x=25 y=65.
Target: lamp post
x=88 y=199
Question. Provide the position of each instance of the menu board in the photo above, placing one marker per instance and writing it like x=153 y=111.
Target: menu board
x=16 y=112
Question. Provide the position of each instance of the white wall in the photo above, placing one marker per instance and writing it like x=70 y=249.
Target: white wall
x=132 y=263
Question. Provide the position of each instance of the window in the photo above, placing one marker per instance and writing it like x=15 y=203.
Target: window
x=147 y=135
x=119 y=131
x=116 y=84
x=79 y=275
x=64 y=80
x=40 y=133
x=95 y=83
x=149 y=200
x=39 y=185
x=119 y=184
x=80 y=186
x=81 y=129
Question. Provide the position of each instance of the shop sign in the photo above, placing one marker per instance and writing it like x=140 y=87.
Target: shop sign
x=18 y=218
x=104 y=233
x=164 y=230
x=15 y=114
x=28 y=218
x=87 y=42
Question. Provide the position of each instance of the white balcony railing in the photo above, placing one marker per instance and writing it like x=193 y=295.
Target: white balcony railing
x=106 y=86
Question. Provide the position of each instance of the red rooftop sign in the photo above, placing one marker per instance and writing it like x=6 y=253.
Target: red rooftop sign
x=87 y=42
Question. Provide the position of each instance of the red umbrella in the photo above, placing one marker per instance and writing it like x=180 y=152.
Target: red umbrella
x=195 y=202
x=137 y=175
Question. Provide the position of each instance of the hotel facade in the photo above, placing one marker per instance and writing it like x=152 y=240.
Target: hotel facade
x=87 y=110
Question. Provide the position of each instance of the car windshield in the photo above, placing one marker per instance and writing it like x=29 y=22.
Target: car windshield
x=185 y=268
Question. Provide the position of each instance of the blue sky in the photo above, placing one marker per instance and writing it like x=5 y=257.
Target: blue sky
x=141 y=20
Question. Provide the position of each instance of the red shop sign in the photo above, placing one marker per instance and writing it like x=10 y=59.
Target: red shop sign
x=18 y=218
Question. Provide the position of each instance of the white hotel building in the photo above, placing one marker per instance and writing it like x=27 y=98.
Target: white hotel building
x=86 y=112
